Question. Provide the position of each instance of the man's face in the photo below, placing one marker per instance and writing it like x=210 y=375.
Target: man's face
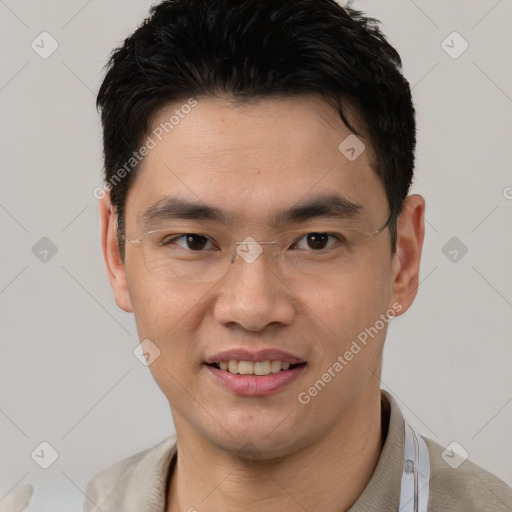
x=252 y=162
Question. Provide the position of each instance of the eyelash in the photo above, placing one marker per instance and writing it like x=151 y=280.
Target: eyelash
x=167 y=241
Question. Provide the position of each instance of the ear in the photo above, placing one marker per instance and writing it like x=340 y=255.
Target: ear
x=406 y=261
x=115 y=268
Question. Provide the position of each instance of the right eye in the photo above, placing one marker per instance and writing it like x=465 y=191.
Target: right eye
x=191 y=241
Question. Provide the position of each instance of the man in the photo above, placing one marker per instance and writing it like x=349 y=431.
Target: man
x=256 y=221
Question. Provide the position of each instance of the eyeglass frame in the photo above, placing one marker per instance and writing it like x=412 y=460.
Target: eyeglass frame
x=138 y=240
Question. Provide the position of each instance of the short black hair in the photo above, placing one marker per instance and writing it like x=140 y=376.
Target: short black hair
x=255 y=49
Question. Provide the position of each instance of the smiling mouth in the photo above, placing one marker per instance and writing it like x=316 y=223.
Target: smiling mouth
x=259 y=368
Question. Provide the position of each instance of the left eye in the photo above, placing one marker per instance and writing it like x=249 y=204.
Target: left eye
x=316 y=241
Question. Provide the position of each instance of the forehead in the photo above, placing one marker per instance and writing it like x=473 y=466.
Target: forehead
x=248 y=158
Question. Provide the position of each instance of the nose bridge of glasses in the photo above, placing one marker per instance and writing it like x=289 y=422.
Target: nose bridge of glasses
x=250 y=249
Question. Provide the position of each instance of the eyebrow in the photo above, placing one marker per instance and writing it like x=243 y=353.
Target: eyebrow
x=325 y=206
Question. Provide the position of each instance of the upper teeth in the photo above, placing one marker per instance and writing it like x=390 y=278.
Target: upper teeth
x=251 y=368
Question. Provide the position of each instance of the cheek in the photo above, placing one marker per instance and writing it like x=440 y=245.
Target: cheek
x=168 y=314
x=349 y=337
x=343 y=316
x=159 y=309
x=158 y=304
x=349 y=302
x=164 y=313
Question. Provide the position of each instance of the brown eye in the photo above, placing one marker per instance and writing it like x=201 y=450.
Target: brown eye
x=317 y=240
x=195 y=242
x=189 y=241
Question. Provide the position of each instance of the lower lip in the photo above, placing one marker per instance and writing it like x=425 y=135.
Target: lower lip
x=254 y=385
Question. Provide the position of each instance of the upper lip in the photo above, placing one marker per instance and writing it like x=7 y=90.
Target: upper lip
x=268 y=354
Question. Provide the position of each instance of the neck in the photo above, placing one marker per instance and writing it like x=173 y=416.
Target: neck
x=329 y=474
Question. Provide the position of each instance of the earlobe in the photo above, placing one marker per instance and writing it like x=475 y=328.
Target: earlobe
x=406 y=261
x=115 y=268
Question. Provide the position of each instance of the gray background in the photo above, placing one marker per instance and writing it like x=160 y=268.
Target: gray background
x=68 y=373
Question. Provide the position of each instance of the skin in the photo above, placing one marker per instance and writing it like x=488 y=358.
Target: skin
x=251 y=160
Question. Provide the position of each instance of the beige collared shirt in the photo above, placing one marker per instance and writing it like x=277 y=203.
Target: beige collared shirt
x=139 y=483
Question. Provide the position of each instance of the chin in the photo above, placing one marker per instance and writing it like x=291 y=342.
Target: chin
x=265 y=442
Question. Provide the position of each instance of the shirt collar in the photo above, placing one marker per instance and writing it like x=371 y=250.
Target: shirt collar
x=383 y=490
x=147 y=488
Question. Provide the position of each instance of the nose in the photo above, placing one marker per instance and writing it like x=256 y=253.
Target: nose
x=253 y=295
